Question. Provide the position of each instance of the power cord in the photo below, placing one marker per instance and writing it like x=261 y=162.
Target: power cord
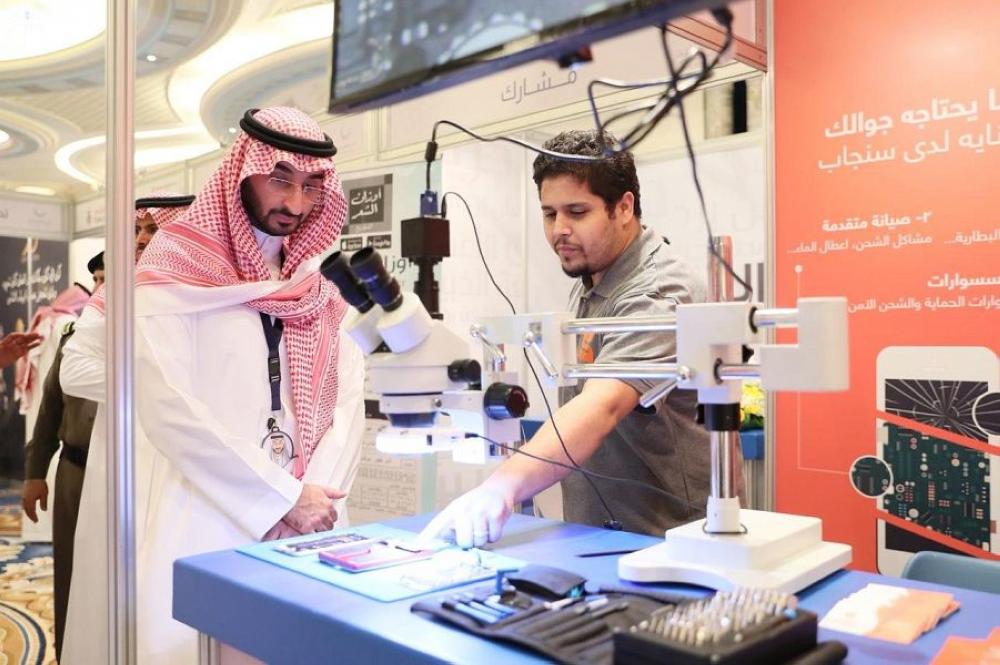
x=479 y=245
x=612 y=522
x=706 y=70
x=655 y=110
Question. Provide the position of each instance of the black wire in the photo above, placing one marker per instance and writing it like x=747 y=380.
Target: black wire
x=655 y=112
x=552 y=419
x=691 y=157
x=479 y=246
x=538 y=381
x=524 y=144
x=659 y=108
x=587 y=473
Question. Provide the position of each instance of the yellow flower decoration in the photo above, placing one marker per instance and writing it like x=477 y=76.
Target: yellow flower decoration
x=752 y=406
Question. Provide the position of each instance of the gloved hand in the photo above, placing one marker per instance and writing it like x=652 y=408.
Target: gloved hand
x=472 y=519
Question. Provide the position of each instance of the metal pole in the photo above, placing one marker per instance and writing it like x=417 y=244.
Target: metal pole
x=724 y=446
x=723 y=458
x=664 y=323
x=766 y=494
x=120 y=77
x=729 y=372
x=778 y=317
x=621 y=371
x=30 y=245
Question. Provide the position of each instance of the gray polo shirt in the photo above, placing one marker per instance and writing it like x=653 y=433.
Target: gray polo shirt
x=664 y=447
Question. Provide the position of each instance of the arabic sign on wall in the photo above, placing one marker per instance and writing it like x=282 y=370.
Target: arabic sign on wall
x=27 y=216
x=32 y=272
x=369 y=205
x=886 y=193
x=89 y=215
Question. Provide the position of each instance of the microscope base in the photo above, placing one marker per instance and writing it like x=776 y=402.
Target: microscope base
x=777 y=551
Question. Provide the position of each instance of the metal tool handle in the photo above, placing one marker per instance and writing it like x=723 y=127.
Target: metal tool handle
x=531 y=342
x=499 y=357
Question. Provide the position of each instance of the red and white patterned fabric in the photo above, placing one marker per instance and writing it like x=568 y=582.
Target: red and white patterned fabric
x=26 y=373
x=162 y=217
x=213 y=245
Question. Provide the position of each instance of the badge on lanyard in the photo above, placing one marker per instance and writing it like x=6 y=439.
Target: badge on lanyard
x=277 y=443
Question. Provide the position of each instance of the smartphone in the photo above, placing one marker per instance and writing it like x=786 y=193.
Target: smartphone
x=376 y=554
x=342 y=541
x=938 y=485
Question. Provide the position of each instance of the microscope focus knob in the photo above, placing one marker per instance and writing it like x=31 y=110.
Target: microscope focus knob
x=503 y=400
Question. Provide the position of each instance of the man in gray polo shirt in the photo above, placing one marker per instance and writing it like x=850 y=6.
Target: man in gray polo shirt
x=592 y=218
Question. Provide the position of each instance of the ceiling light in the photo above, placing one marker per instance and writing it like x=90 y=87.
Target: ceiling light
x=190 y=81
x=197 y=142
x=151 y=57
x=4 y=137
x=176 y=153
x=232 y=130
x=33 y=189
x=30 y=28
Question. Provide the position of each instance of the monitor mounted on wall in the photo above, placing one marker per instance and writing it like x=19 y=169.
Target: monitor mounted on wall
x=387 y=51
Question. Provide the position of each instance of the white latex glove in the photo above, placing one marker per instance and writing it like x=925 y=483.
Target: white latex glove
x=472 y=519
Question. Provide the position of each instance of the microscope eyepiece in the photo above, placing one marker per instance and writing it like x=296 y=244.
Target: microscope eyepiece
x=336 y=269
x=383 y=287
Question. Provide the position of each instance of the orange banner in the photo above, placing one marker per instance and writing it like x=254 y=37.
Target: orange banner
x=887 y=185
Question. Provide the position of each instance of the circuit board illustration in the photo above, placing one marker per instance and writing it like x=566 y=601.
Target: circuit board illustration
x=938 y=485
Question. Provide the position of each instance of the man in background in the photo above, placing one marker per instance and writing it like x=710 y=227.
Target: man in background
x=67 y=419
x=592 y=219
x=82 y=376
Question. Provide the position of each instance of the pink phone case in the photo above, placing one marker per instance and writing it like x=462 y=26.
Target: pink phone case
x=373 y=555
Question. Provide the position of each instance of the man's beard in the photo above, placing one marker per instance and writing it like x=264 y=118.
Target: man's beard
x=259 y=219
x=581 y=271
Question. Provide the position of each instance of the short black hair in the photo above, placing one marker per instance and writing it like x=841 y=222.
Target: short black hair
x=608 y=178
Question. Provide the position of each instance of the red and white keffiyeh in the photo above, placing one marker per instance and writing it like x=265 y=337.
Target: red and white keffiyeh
x=26 y=375
x=162 y=217
x=213 y=245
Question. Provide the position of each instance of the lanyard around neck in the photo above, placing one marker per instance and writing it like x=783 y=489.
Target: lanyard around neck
x=272 y=333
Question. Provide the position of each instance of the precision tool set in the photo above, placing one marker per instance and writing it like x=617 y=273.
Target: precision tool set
x=740 y=626
x=549 y=611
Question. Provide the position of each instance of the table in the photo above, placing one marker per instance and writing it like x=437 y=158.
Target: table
x=282 y=617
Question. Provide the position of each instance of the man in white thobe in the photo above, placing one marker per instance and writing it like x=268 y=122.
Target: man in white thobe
x=82 y=374
x=229 y=302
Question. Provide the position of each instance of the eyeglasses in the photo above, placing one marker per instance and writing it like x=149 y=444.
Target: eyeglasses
x=287 y=188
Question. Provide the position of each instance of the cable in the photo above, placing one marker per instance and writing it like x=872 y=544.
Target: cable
x=587 y=473
x=524 y=144
x=479 y=246
x=613 y=522
x=691 y=156
x=655 y=111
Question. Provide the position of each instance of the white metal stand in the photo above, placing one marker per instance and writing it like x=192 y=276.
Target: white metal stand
x=778 y=551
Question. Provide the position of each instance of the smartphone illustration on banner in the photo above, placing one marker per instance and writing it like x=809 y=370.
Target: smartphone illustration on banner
x=941 y=486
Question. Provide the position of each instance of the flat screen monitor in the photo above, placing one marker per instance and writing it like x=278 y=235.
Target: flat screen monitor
x=387 y=51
